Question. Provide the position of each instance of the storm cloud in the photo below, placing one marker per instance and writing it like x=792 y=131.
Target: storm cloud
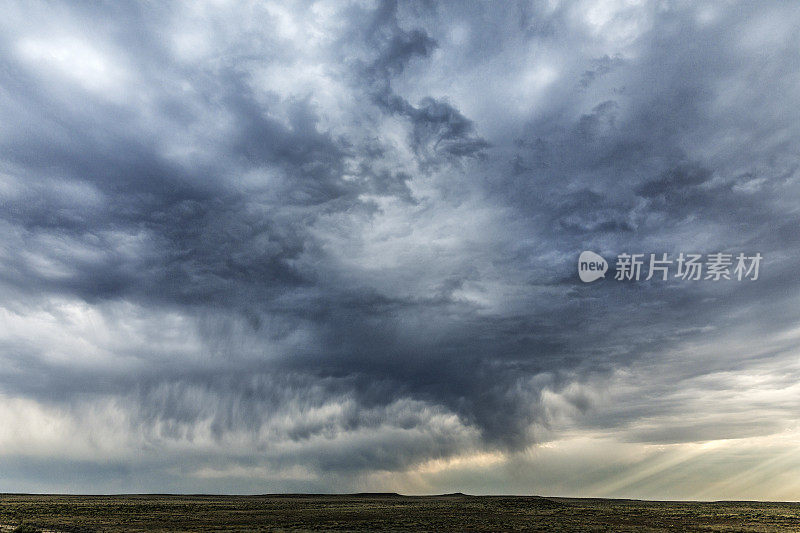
x=326 y=246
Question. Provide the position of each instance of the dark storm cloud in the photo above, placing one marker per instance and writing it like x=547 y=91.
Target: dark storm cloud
x=370 y=275
x=438 y=126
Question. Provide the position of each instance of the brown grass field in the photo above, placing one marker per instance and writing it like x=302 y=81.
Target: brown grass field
x=383 y=512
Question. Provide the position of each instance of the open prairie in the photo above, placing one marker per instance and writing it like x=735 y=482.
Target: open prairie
x=376 y=512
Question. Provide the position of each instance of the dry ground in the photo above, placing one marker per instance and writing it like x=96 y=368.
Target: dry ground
x=384 y=513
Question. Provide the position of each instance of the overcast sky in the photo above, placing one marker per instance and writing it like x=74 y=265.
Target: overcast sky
x=332 y=247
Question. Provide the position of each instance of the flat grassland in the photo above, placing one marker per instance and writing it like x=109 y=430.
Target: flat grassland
x=382 y=512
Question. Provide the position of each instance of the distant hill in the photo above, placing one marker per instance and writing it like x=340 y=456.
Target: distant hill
x=377 y=495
